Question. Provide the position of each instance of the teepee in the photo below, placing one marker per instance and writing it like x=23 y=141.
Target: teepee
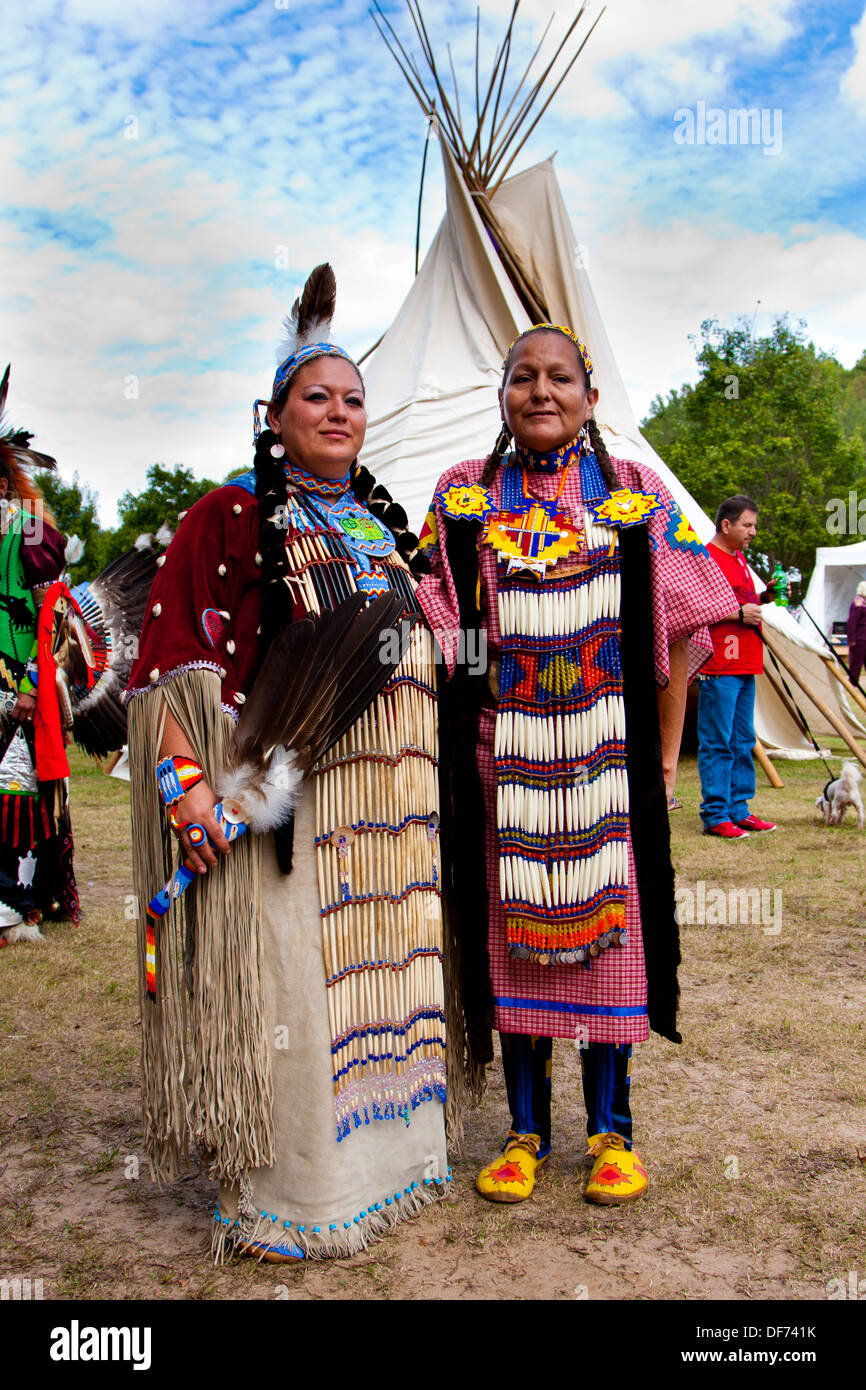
x=504 y=257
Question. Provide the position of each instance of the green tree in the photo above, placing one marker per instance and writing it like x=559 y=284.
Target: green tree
x=771 y=417
x=168 y=492
x=74 y=508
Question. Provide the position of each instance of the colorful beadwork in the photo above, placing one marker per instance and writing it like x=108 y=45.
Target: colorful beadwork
x=377 y=847
x=375 y=830
x=624 y=507
x=213 y=626
x=528 y=532
x=176 y=776
x=680 y=534
x=562 y=793
x=472 y=500
x=150 y=958
x=569 y=333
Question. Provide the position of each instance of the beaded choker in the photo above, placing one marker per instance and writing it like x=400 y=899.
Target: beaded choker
x=325 y=487
x=552 y=462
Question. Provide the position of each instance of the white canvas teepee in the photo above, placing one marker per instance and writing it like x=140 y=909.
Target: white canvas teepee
x=506 y=247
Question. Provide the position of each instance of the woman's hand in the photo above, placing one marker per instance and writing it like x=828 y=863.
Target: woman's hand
x=24 y=708
x=197 y=808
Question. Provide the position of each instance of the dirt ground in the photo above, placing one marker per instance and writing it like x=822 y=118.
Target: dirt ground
x=753 y=1131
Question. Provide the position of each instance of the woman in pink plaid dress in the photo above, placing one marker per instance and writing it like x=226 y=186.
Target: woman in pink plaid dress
x=593 y=595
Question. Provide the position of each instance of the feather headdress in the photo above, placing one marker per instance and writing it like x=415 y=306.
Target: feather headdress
x=15 y=448
x=17 y=458
x=307 y=334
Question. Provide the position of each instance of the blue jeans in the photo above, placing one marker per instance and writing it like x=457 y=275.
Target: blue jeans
x=726 y=739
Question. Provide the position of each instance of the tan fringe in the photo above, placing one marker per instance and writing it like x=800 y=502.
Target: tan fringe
x=205 y=1060
x=255 y=1234
x=466 y=1078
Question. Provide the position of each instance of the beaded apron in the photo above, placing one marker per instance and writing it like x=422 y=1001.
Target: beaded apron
x=562 y=789
x=377 y=838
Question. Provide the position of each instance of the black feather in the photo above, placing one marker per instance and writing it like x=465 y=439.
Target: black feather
x=318 y=301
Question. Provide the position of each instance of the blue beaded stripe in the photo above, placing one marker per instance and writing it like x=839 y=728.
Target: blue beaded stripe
x=592 y=484
x=390 y=1111
x=384 y=964
x=595 y=1010
x=415 y=818
x=355 y=1220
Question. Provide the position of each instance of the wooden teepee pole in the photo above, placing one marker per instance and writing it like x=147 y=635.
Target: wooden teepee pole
x=839 y=675
x=811 y=694
x=766 y=766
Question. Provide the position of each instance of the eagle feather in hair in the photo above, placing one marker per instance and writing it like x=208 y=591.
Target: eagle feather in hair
x=312 y=312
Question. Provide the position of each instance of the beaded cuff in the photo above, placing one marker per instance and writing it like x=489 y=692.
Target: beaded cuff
x=175 y=776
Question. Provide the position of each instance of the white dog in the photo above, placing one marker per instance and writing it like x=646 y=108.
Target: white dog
x=844 y=792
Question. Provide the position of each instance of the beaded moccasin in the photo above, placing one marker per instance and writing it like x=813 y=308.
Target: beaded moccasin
x=617 y=1173
x=511 y=1176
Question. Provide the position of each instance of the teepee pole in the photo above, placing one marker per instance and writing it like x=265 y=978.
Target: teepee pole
x=811 y=694
x=766 y=766
x=835 y=669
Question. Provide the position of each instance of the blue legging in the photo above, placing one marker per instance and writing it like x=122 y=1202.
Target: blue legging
x=527 y=1063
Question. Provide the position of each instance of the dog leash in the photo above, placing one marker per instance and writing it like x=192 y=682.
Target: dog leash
x=800 y=715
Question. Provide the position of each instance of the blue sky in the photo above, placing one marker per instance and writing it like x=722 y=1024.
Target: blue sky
x=171 y=172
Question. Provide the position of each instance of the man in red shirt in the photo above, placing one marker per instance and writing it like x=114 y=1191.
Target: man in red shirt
x=726 y=698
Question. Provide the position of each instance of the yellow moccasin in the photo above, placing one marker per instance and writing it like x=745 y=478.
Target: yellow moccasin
x=511 y=1175
x=617 y=1173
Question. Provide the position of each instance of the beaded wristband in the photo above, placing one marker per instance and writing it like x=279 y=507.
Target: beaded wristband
x=175 y=776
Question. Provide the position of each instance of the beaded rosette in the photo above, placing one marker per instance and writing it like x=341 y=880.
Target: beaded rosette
x=562 y=788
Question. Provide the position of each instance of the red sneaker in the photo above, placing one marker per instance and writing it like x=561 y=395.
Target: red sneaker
x=726 y=830
x=752 y=823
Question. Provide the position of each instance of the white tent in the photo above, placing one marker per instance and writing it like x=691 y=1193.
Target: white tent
x=432 y=384
x=838 y=570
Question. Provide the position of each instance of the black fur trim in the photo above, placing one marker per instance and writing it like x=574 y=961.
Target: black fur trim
x=648 y=814
x=395 y=517
x=419 y=564
x=362 y=482
x=284 y=844
x=465 y=878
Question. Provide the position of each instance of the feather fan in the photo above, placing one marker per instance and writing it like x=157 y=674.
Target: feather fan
x=113 y=607
x=319 y=675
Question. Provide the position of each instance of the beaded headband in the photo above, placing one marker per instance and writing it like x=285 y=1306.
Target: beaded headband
x=292 y=366
x=557 y=328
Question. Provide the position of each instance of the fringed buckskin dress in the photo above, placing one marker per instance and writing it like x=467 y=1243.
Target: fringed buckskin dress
x=297 y=1038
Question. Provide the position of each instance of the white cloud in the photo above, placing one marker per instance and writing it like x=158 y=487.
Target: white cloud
x=656 y=285
x=853 y=84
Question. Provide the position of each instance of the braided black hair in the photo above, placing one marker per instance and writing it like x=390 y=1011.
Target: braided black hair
x=500 y=449
x=271 y=494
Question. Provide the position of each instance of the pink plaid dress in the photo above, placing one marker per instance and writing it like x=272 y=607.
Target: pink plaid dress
x=606 y=1003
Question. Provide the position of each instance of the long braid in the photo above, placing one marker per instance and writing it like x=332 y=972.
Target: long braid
x=271 y=495
x=494 y=459
x=600 y=450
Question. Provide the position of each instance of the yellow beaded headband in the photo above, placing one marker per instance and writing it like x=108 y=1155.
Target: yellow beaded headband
x=557 y=328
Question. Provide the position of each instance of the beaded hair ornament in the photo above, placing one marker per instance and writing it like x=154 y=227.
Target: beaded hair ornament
x=307 y=334
x=557 y=328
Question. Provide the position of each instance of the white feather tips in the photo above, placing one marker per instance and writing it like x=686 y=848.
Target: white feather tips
x=265 y=803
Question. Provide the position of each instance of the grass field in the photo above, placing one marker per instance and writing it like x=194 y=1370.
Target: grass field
x=753 y=1131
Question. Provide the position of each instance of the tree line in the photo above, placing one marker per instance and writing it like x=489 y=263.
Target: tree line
x=780 y=421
